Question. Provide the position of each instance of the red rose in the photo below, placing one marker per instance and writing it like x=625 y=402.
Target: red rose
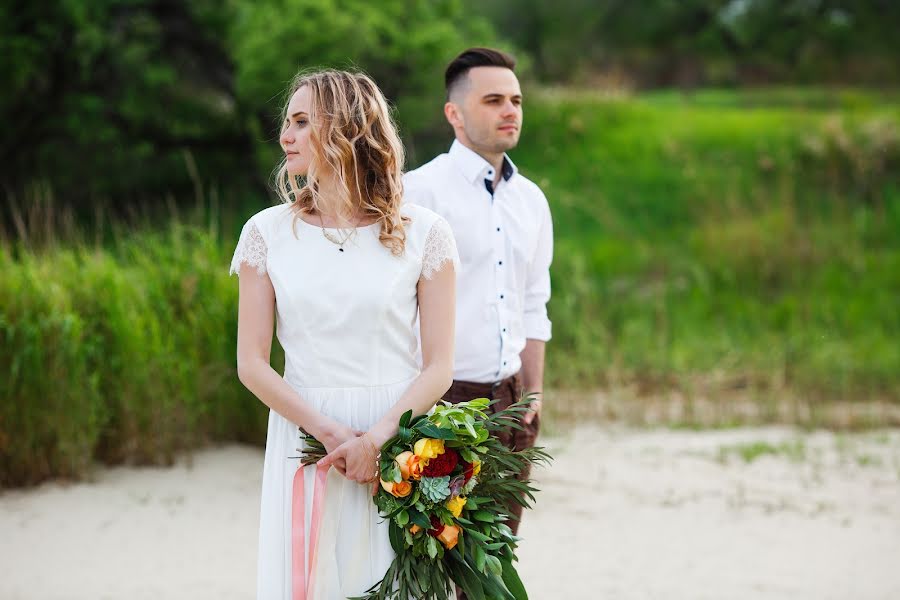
x=442 y=464
x=468 y=470
x=437 y=527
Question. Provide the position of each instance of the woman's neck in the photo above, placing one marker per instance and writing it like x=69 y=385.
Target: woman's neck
x=330 y=208
x=332 y=212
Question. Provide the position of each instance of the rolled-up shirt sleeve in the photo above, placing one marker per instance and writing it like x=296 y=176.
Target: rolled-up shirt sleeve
x=537 y=286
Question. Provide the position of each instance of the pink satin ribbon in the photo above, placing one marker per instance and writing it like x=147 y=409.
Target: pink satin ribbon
x=303 y=579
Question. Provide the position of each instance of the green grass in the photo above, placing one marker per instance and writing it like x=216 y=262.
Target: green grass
x=794 y=450
x=706 y=245
x=713 y=241
x=118 y=354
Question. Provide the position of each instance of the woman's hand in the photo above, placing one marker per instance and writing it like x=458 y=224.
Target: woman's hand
x=332 y=435
x=359 y=458
x=335 y=434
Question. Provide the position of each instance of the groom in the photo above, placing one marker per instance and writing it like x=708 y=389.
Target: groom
x=504 y=234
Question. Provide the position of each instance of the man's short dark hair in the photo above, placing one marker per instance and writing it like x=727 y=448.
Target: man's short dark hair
x=460 y=66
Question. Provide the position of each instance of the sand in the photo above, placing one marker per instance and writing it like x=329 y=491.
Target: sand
x=623 y=514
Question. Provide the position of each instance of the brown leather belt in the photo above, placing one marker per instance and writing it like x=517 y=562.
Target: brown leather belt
x=508 y=388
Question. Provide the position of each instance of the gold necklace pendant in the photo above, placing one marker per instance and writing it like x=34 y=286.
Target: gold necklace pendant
x=334 y=240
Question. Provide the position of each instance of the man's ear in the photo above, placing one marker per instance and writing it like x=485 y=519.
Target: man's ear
x=453 y=114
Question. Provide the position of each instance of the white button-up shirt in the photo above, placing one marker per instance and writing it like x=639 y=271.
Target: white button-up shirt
x=505 y=242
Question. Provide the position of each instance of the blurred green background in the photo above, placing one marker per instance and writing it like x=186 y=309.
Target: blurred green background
x=724 y=178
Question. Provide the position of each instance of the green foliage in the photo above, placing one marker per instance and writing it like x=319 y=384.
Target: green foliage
x=122 y=355
x=705 y=242
x=707 y=42
x=117 y=99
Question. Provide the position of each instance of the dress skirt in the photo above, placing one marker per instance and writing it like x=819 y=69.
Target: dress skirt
x=354 y=550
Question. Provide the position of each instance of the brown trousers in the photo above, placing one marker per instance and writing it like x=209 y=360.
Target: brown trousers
x=506 y=392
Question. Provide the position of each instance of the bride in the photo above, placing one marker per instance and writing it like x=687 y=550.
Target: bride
x=342 y=267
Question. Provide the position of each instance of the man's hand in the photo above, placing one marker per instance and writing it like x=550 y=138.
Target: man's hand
x=534 y=409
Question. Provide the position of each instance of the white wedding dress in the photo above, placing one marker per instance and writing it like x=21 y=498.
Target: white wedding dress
x=346 y=322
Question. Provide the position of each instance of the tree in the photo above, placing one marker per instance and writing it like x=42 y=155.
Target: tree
x=137 y=100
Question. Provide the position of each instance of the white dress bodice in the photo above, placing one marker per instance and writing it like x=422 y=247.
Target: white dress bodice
x=345 y=318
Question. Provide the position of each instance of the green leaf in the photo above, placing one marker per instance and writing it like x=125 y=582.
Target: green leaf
x=390 y=471
x=466 y=578
x=419 y=519
x=395 y=536
x=479 y=556
x=432 y=546
x=402 y=518
x=512 y=580
x=433 y=431
x=483 y=515
x=478 y=535
x=466 y=454
x=493 y=565
x=405 y=418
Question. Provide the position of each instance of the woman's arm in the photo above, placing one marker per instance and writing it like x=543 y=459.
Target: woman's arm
x=256 y=319
x=437 y=314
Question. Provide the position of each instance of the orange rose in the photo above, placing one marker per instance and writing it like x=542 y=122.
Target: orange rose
x=410 y=465
x=416 y=464
x=401 y=460
x=402 y=489
x=399 y=490
x=449 y=536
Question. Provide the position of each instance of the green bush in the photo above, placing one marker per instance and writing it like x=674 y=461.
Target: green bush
x=699 y=249
x=712 y=237
x=122 y=354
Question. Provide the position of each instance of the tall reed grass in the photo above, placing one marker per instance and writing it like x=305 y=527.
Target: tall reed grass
x=707 y=246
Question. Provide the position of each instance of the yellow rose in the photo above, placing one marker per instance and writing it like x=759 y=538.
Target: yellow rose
x=455 y=505
x=427 y=448
x=449 y=536
x=476 y=467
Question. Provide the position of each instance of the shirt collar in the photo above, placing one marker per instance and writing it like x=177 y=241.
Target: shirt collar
x=474 y=167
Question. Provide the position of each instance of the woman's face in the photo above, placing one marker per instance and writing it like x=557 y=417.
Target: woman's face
x=295 y=132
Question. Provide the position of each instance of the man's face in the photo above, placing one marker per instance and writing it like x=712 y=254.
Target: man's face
x=485 y=109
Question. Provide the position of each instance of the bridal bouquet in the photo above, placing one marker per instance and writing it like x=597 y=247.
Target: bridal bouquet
x=446 y=484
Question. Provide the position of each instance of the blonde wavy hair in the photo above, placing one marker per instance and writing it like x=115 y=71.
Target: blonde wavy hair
x=353 y=136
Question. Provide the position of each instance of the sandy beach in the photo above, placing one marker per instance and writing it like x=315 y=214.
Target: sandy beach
x=623 y=514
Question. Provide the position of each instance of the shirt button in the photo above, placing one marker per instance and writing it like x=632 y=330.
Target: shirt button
x=504 y=363
x=504 y=330
x=501 y=296
x=500 y=262
x=498 y=229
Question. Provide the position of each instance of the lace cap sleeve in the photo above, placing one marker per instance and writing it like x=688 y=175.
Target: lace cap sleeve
x=440 y=249
x=251 y=250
